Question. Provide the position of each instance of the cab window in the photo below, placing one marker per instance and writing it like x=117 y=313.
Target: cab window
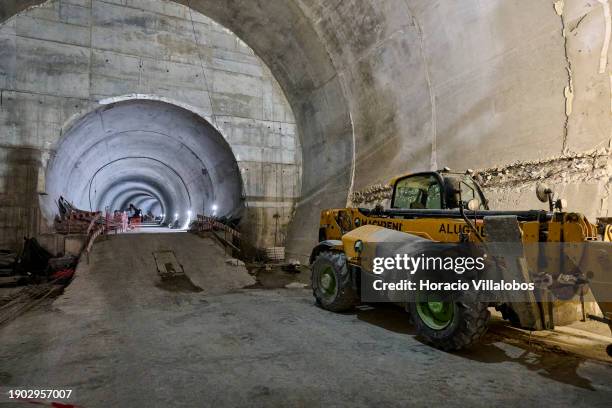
x=416 y=192
x=469 y=191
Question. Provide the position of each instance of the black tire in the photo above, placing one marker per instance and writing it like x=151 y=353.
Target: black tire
x=466 y=327
x=331 y=282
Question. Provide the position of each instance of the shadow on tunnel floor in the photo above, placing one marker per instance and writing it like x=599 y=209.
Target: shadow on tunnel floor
x=557 y=365
x=387 y=316
x=549 y=362
x=178 y=284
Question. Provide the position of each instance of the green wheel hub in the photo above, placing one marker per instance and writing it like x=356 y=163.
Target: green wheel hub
x=327 y=281
x=436 y=315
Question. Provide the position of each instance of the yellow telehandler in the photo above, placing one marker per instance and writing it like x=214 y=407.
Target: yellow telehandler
x=561 y=251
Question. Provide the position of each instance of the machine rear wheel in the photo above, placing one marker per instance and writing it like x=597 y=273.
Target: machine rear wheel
x=331 y=282
x=449 y=325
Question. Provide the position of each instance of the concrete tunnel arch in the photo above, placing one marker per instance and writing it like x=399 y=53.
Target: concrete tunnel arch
x=144 y=151
x=299 y=60
x=374 y=83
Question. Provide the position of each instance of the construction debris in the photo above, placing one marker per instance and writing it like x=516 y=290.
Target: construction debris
x=26 y=299
x=33 y=260
x=62 y=262
x=71 y=220
x=7 y=262
x=63 y=276
x=34 y=267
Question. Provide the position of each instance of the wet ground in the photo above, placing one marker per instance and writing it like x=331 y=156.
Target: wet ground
x=116 y=338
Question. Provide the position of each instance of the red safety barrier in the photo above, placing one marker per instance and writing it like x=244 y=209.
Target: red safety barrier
x=206 y=223
x=135 y=222
x=100 y=225
x=63 y=275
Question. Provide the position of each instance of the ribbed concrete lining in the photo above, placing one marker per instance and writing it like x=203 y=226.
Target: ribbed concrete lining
x=380 y=88
x=137 y=151
x=121 y=194
x=146 y=203
x=283 y=36
x=142 y=201
x=135 y=174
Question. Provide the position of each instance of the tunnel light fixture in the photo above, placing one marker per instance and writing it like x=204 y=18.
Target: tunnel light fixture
x=189 y=213
x=175 y=215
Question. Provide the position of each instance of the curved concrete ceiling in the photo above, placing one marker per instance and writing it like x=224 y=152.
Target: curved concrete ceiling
x=144 y=152
x=283 y=36
x=420 y=84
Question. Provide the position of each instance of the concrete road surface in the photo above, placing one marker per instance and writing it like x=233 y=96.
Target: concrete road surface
x=118 y=337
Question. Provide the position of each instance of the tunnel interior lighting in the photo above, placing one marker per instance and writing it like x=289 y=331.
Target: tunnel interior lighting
x=141 y=163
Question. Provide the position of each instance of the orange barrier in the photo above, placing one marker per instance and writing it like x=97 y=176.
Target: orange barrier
x=206 y=223
x=109 y=223
x=135 y=222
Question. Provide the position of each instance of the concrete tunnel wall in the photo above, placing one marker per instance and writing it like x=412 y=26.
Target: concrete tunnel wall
x=517 y=89
x=153 y=99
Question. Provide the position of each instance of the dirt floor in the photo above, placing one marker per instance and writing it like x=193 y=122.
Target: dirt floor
x=119 y=336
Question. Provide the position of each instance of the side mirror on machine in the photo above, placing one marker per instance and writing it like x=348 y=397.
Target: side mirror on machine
x=546 y=195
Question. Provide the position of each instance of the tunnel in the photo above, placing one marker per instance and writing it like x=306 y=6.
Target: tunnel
x=164 y=108
x=368 y=84
x=152 y=154
x=269 y=141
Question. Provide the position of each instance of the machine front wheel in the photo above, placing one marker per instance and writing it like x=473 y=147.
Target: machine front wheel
x=449 y=326
x=331 y=282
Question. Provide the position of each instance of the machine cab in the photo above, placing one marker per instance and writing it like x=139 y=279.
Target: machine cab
x=436 y=191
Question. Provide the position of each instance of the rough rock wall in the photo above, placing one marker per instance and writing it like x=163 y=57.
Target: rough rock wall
x=521 y=88
x=582 y=179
